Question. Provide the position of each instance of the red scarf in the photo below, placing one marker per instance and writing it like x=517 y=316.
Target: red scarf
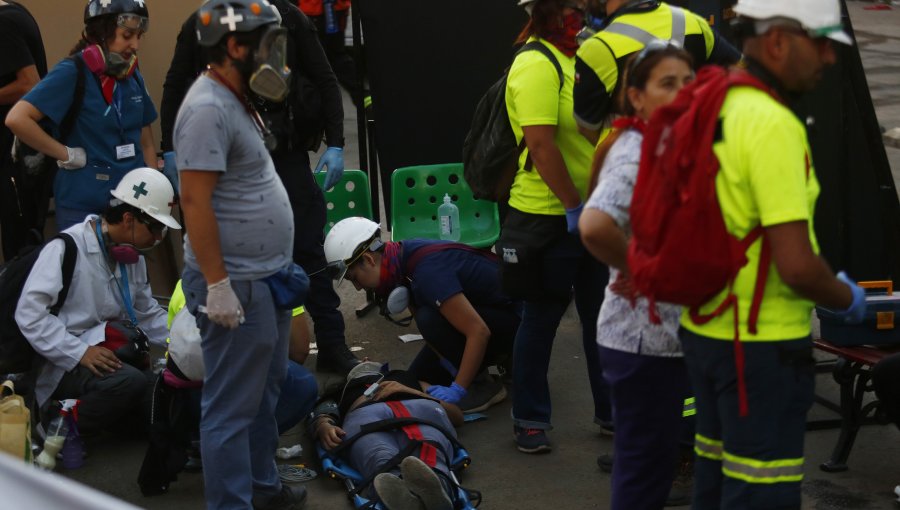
x=633 y=122
x=564 y=37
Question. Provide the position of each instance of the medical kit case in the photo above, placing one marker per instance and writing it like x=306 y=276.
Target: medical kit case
x=880 y=326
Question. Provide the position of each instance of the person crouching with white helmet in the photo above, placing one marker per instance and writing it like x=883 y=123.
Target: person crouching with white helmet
x=453 y=292
x=95 y=346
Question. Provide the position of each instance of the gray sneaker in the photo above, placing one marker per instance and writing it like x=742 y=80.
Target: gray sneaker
x=393 y=492
x=424 y=483
x=484 y=392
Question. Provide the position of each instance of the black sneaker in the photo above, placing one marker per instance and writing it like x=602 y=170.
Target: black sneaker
x=531 y=440
x=336 y=359
x=290 y=498
x=605 y=462
x=683 y=484
x=482 y=394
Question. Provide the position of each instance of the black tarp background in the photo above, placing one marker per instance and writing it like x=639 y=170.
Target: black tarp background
x=429 y=62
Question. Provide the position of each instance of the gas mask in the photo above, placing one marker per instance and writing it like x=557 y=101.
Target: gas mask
x=109 y=63
x=125 y=253
x=271 y=77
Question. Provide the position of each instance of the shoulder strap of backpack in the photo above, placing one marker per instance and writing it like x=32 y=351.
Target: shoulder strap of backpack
x=68 y=122
x=539 y=47
x=419 y=254
x=68 y=270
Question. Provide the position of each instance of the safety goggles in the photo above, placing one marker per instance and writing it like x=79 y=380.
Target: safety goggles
x=337 y=270
x=156 y=228
x=652 y=47
x=133 y=22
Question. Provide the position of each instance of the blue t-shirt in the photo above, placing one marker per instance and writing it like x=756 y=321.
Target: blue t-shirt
x=96 y=130
x=442 y=274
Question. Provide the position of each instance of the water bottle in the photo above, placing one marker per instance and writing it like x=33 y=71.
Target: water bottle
x=330 y=22
x=73 y=449
x=448 y=214
x=56 y=438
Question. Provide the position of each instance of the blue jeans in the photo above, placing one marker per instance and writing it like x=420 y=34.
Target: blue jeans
x=648 y=398
x=245 y=368
x=566 y=264
x=308 y=205
x=738 y=456
x=299 y=392
x=66 y=217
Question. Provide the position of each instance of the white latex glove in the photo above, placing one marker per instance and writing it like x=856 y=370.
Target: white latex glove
x=77 y=159
x=222 y=305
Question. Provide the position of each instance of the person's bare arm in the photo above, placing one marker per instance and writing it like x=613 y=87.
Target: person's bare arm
x=328 y=433
x=23 y=120
x=26 y=78
x=802 y=270
x=603 y=238
x=200 y=220
x=460 y=313
x=298 y=348
x=148 y=147
x=548 y=162
x=592 y=135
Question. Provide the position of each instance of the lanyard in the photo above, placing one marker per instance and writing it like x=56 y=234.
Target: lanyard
x=116 y=106
x=261 y=128
x=122 y=283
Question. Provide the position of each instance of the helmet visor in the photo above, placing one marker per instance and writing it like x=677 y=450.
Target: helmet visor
x=133 y=22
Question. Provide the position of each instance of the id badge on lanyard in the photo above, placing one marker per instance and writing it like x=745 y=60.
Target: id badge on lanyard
x=124 y=150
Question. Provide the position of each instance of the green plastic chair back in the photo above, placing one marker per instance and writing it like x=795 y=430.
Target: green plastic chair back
x=416 y=193
x=349 y=197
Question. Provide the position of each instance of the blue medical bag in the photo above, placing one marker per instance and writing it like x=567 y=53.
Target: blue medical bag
x=880 y=327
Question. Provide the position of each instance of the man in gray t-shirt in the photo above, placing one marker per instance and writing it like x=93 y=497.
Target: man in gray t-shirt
x=240 y=231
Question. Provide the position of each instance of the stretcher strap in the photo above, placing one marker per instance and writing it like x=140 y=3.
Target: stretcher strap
x=427 y=452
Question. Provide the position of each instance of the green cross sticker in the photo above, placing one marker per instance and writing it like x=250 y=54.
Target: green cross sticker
x=139 y=190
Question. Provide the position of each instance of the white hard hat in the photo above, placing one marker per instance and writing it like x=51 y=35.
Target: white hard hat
x=151 y=192
x=344 y=240
x=822 y=18
x=184 y=345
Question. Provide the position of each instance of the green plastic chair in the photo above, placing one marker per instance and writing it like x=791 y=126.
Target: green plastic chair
x=349 y=197
x=416 y=193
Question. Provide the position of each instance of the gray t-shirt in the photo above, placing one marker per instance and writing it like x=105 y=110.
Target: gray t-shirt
x=214 y=132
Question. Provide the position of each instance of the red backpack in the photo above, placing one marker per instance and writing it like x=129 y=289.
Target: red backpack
x=680 y=251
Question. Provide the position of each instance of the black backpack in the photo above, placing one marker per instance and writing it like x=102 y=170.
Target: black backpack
x=490 y=152
x=16 y=354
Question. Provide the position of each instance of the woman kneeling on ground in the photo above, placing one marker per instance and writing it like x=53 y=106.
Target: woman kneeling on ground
x=642 y=362
x=453 y=292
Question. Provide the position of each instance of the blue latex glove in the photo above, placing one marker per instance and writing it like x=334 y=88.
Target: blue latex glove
x=857 y=310
x=453 y=394
x=572 y=216
x=334 y=160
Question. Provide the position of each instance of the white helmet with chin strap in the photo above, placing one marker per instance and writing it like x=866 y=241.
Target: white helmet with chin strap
x=820 y=18
x=346 y=241
x=151 y=192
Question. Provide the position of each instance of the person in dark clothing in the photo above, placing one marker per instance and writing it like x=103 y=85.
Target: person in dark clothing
x=23 y=198
x=332 y=26
x=886 y=380
x=313 y=107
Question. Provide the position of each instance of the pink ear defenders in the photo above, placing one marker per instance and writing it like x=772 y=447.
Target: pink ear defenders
x=112 y=64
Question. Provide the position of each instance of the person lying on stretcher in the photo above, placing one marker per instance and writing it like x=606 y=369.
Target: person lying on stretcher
x=384 y=424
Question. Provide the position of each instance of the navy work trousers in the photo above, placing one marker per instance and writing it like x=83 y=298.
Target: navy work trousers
x=443 y=338
x=308 y=204
x=753 y=461
x=648 y=400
